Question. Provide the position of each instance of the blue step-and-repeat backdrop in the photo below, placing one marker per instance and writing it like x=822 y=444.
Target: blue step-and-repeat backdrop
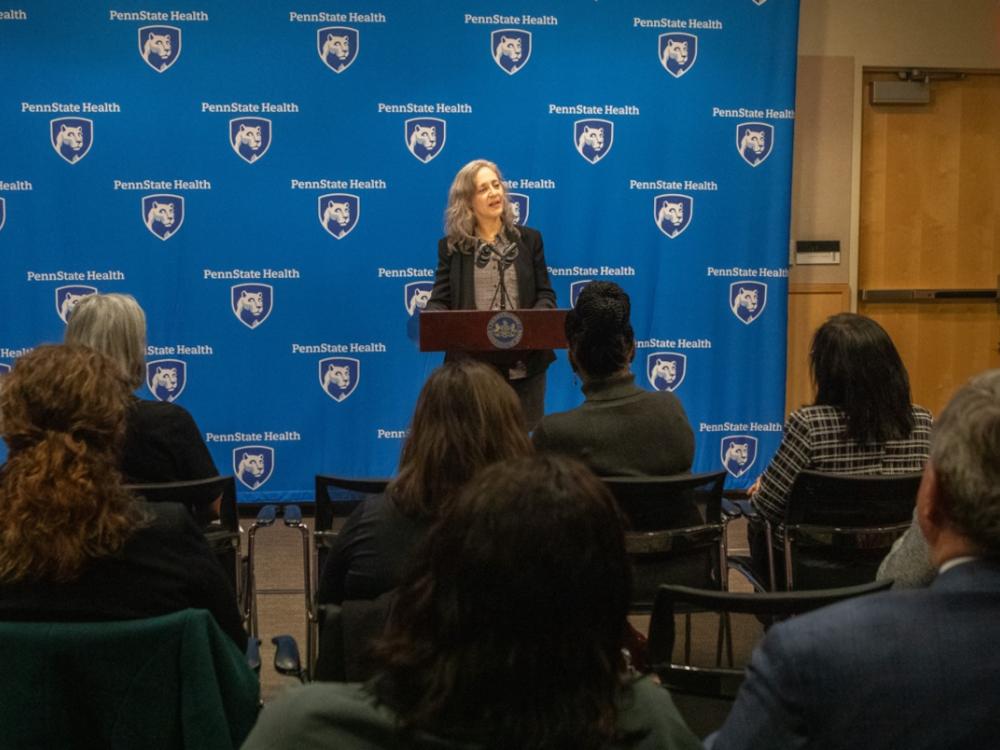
x=268 y=179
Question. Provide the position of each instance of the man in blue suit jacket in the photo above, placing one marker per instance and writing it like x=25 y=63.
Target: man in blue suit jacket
x=903 y=669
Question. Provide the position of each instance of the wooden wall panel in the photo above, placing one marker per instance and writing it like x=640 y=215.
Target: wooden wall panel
x=809 y=305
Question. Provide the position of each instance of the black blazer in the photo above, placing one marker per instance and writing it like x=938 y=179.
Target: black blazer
x=454 y=287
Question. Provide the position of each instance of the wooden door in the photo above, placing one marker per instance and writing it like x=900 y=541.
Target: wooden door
x=930 y=219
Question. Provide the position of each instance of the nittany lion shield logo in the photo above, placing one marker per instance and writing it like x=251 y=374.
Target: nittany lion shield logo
x=338 y=376
x=250 y=137
x=166 y=378
x=593 y=138
x=163 y=214
x=3 y=212
x=424 y=137
x=738 y=454
x=759 y=2
x=252 y=303
x=67 y=298
x=160 y=46
x=519 y=204
x=678 y=51
x=253 y=465
x=754 y=141
x=72 y=137
x=511 y=49
x=416 y=295
x=747 y=299
x=672 y=213
x=337 y=46
x=575 y=289
x=339 y=213
x=666 y=370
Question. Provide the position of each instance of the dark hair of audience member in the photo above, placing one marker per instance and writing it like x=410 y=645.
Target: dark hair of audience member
x=466 y=417
x=508 y=628
x=856 y=367
x=62 y=414
x=599 y=332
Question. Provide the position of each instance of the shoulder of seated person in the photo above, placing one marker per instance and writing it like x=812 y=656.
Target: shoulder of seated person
x=158 y=411
x=165 y=515
x=815 y=411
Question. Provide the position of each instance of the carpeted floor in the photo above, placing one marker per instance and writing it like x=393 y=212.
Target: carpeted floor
x=281 y=601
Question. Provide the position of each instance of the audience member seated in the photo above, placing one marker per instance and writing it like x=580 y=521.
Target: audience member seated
x=908 y=564
x=903 y=669
x=466 y=417
x=620 y=429
x=75 y=546
x=862 y=421
x=162 y=441
x=506 y=633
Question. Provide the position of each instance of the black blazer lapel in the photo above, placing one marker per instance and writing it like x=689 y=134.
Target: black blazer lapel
x=463 y=281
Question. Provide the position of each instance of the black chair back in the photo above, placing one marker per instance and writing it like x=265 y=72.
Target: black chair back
x=839 y=527
x=850 y=500
x=346 y=635
x=337 y=497
x=704 y=694
x=197 y=495
x=676 y=533
x=653 y=503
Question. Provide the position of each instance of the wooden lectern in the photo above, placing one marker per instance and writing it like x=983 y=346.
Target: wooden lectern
x=504 y=335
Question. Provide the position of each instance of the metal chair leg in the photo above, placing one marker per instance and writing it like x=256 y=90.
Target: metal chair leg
x=687 y=638
x=264 y=518
x=769 y=538
x=293 y=520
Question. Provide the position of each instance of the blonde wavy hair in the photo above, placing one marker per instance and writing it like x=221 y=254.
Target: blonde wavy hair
x=62 y=415
x=459 y=219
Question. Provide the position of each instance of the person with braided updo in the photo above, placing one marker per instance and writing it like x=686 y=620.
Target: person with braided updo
x=620 y=429
x=75 y=545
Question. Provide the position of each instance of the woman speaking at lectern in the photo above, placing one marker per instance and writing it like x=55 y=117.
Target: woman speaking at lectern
x=487 y=262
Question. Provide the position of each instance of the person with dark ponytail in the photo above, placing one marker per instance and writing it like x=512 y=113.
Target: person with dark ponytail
x=75 y=545
x=621 y=429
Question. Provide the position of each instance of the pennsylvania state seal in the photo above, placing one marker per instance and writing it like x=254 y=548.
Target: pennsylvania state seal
x=505 y=330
